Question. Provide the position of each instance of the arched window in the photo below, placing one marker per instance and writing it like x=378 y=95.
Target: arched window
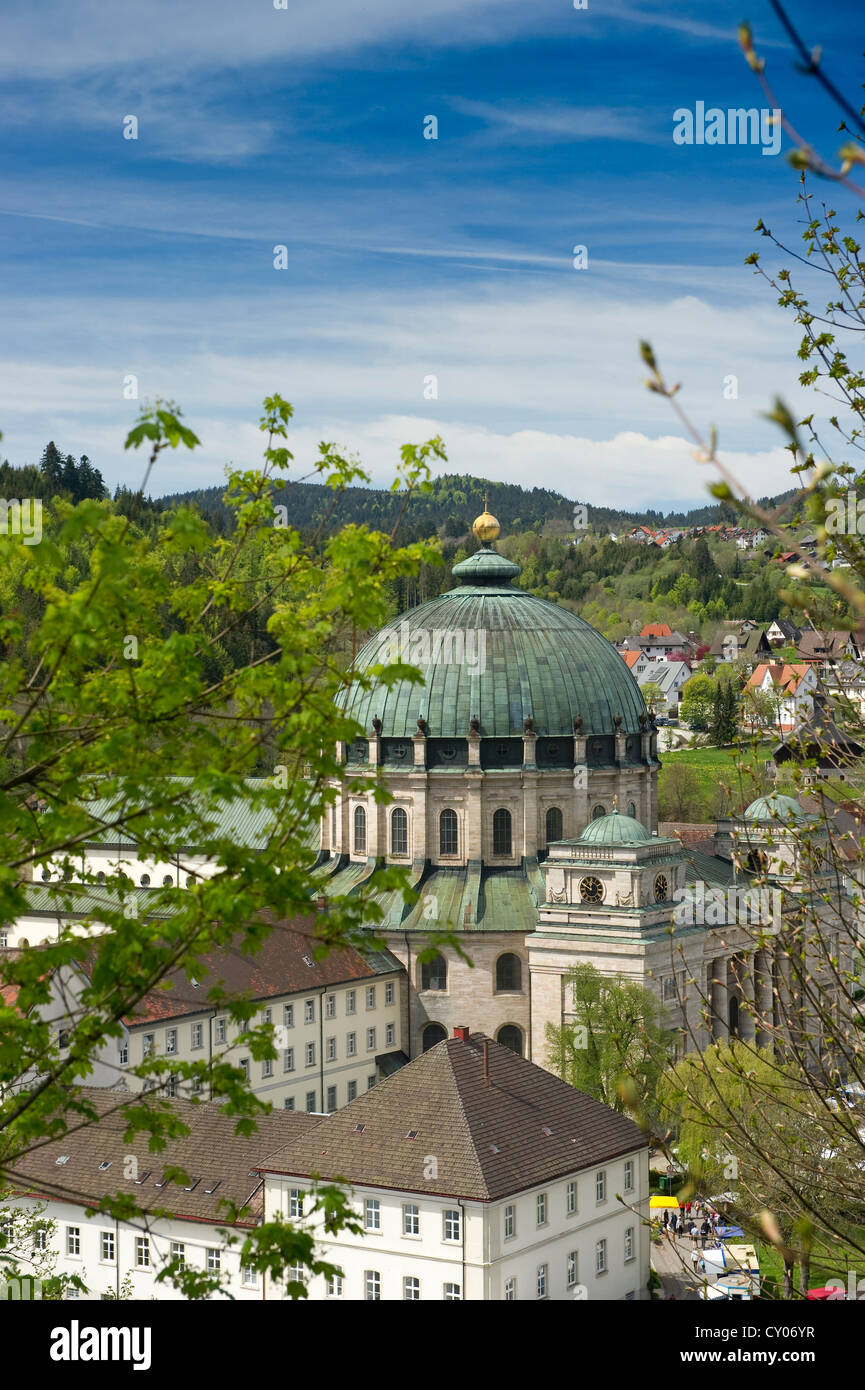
x=632 y=810
x=167 y=881
x=398 y=831
x=502 y=832
x=509 y=972
x=145 y=880
x=448 y=840
x=432 y=1034
x=598 y=811
x=359 y=830
x=554 y=825
x=434 y=973
x=511 y=1036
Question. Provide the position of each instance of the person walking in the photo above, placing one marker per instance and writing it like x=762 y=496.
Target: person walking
x=704 y=1231
x=674 y=1223
x=694 y=1233
x=666 y=1218
x=695 y=1255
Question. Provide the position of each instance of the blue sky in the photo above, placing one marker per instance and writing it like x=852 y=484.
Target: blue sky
x=406 y=257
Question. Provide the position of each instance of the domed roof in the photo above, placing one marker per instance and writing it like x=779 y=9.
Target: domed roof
x=774 y=808
x=490 y=650
x=614 y=830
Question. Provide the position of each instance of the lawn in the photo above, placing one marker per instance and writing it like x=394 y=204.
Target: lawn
x=740 y=770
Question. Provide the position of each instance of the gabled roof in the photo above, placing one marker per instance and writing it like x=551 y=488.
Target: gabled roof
x=656 y=630
x=785 y=676
x=212 y=1152
x=631 y=658
x=828 y=645
x=521 y=1128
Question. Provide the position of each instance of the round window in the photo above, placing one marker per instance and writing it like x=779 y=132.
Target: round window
x=661 y=889
x=592 y=890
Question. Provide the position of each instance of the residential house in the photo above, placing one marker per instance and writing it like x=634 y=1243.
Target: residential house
x=792 y=685
x=826 y=647
x=670 y=676
x=743 y=642
x=476 y=1175
x=781 y=632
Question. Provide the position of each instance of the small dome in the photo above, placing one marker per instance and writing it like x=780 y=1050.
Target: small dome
x=485 y=527
x=774 y=808
x=614 y=830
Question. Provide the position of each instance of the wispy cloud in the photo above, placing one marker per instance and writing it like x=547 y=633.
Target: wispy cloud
x=557 y=121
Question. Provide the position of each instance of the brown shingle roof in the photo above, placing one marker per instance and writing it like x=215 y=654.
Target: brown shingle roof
x=488 y=1140
x=211 y=1152
x=279 y=967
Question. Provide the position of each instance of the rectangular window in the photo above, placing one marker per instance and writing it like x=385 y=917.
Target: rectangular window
x=331 y=1049
x=410 y=1219
x=142 y=1252
x=370 y=1040
x=351 y=1044
x=629 y=1176
x=542 y=1281
x=372 y=1286
x=330 y=1006
x=288 y=1059
x=310 y=1102
x=601 y=1257
x=451 y=1220
x=370 y=1082
x=197 y=1035
x=334 y=1286
x=331 y=1098
x=295 y=1202
x=571 y=1199
x=352 y=1090
x=267 y=1067
x=372 y=1214
x=389 y=992
x=350 y=1001
x=629 y=1243
x=123 y=1055
x=573 y=1265
x=669 y=989
x=288 y=1103
x=244 y=1067
x=542 y=1208
x=288 y=1015
x=40 y=1239
x=106 y=1246
x=178 y=1252
x=310 y=1054
x=73 y=1240
x=170 y=1041
x=171 y=1085
x=309 y=1011
x=197 y=1086
x=510 y=1222
x=248 y=1276
x=390 y=1035
x=147 y=1045
x=268 y=1016
x=411 y=1289
x=214 y=1260
x=219 y=1030
x=451 y=1292
x=510 y=1290
x=370 y=996
x=601 y=1185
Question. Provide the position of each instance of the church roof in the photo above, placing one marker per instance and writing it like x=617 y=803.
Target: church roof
x=614 y=830
x=500 y=654
x=774 y=808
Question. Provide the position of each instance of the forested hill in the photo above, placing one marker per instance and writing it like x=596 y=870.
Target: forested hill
x=451 y=506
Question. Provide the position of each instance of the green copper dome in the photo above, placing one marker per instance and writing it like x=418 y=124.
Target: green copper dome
x=490 y=650
x=614 y=830
x=774 y=808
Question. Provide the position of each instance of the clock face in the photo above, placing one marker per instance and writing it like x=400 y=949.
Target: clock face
x=592 y=890
x=661 y=889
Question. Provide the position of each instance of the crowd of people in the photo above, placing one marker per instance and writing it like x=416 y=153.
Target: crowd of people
x=698 y=1221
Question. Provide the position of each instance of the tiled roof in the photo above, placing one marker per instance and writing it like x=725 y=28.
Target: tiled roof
x=212 y=1153
x=784 y=676
x=656 y=630
x=279 y=967
x=522 y=1128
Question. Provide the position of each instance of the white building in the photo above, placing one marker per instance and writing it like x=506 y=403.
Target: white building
x=475 y=1175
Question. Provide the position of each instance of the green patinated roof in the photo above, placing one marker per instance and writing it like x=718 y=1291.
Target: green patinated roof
x=775 y=808
x=540 y=661
x=614 y=830
x=467 y=899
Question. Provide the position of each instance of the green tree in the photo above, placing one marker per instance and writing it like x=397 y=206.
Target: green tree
x=122 y=718
x=698 y=696
x=613 y=1045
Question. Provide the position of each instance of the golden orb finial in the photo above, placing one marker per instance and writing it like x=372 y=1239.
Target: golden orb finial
x=485 y=527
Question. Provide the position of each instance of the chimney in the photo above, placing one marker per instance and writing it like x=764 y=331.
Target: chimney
x=462 y=1034
x=486 y=1062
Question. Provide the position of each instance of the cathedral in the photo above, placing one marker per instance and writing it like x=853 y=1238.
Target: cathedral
x=523 y=776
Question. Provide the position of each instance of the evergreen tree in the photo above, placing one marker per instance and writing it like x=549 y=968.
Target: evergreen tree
x=51 y=468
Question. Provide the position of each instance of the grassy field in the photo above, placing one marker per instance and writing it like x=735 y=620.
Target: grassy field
x=719 y=774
